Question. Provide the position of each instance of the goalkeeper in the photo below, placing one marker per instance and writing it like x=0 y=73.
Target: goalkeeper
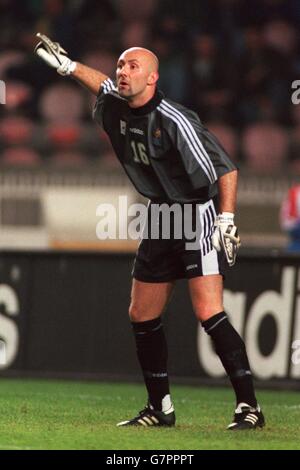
x=170 y=158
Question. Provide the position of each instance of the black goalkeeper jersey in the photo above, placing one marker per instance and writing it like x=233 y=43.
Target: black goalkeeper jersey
x=163 y=147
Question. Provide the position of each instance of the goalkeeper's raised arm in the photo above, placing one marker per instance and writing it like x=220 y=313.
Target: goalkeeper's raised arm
x=89 y=77
x=56 y=57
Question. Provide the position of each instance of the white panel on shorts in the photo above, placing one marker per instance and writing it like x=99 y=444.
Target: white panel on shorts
x=209 y=257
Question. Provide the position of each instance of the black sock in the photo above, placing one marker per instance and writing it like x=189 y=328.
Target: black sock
x=231 y=350
x=152 y=353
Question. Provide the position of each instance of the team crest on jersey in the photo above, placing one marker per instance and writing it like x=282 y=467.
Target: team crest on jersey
x=157 y=133
x=157 y=137
x=123 y=127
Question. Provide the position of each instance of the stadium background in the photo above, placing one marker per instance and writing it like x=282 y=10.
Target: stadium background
x=64 y=292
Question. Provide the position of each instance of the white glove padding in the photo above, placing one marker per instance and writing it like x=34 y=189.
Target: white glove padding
x=54 y=55
x=226 y=236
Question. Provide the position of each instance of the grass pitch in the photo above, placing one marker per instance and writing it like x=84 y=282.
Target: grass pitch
x=75 y=415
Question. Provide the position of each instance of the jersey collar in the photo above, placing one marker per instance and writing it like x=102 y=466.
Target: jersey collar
x=150 y=106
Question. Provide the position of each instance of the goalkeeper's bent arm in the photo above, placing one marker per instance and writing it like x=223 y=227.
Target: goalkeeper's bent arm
x=225 y=236
x=227 y=185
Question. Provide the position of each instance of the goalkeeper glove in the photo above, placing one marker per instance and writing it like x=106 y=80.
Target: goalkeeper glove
x=225 y=236
x=54 y=55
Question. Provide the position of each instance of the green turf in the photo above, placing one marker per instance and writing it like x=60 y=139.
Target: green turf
x=76 y=415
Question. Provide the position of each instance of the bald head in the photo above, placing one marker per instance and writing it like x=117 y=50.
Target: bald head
x=144 y=55
x=137 y=75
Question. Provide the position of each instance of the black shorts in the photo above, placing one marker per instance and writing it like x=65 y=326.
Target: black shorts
x=166 y=257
